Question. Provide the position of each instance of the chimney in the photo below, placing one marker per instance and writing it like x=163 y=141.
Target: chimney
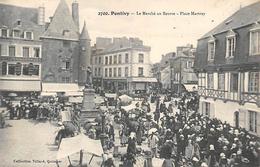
x=75 y=13
x=41 y=15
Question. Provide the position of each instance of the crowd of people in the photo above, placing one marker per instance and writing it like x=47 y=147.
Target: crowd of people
x=181 y=136
x=174 y=131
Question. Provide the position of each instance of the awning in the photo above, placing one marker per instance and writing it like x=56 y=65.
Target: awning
x=74 y=94
x=142 y=79
x=48 y=94
x=191 y=87
x=20 y=86
x=60 y=87
x=110 y=95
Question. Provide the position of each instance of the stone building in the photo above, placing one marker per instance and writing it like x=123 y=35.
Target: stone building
x=66 y=52
x=228 y=66
x=122 y=65
x=20 y=49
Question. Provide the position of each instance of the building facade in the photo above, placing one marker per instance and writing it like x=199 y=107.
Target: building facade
x=65 y=51
x=122 y=65
x=35 y=55
x=20 y=49
x=181 y=68
x=228 y=67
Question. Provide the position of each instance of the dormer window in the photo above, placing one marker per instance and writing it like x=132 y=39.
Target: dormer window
x=211 y=48
x=4 y=32
x=16 y=33
x=255 y=40
x=28 y=35
x=230 y=44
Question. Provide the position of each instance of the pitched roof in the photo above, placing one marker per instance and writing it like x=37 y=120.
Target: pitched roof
x=84 y=33
x=242 y=17
x=62 y=25
x=10 y=14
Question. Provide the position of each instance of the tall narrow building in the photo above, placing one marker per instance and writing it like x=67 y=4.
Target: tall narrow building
x=85 y=52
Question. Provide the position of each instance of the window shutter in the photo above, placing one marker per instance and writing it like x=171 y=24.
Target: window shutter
x=212 y=110
x=258 y=123
x=242 y=118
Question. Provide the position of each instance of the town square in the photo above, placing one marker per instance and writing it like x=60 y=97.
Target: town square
x=119 y=83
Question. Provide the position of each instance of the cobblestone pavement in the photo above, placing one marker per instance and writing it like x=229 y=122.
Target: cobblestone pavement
x=27 y=143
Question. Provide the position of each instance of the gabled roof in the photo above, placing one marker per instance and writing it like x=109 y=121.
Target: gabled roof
x=242 y=17
x=84 y=33
x=62 y=25
x=10 y=14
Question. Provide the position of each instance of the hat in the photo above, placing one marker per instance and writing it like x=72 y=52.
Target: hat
x=239 y=152
x=195 y=159
x=110 y=156
x=203 y=164
x=211 y=147
x=236 y=139
x=222 y=155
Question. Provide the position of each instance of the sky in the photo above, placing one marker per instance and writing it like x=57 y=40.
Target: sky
x=163 y=33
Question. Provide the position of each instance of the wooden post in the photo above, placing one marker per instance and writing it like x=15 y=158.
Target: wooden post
x=91 y=158
x=69 y=160
x=81 y=157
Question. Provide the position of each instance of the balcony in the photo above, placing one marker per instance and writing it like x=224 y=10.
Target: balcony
x=217 y=94
x=251 y=97
x=242 y=98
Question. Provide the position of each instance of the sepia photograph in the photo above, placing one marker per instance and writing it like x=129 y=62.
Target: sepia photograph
x=129 y=83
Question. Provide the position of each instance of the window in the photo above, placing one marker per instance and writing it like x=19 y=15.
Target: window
x=25 y=51
x=253 y=82
x=99 y=71
x=66 y=44
x=189 y=64
x=119 y=59
x=36 y=70
x=99 y=60
x=119 y=72
x=126 y=71
x=230 y=47
x=4 y=68
x=16 y=33
x=18 y=69
x=110 y=59
x=110 y=72
x=255 y=42
x=12 y=51
x=202 y=80
x=30 y=69
x=67 y=65
x=11 y=69
x=211 y=50
x=106 y=60
x=234 y=82
x=221 y=81
x=25 y=69
x=115 y=59
x=36 y=52
x=96 y=60
x=141 y=58
x=95 y=72
x=28 y=35
x=105 y=72
x=126 y=58
x=140 y=71
x=210 y=81
x=4 y=32
x=65 y=79
x=114 y=72
x=252 y=121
